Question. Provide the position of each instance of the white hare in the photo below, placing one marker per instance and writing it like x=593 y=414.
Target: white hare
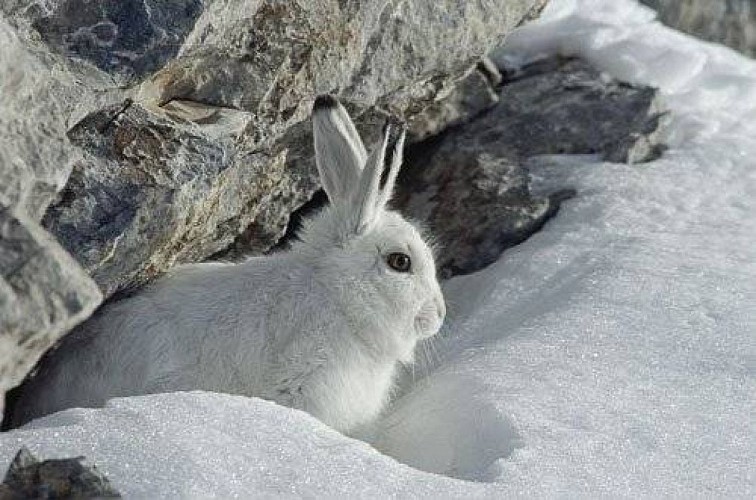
x=321 y=327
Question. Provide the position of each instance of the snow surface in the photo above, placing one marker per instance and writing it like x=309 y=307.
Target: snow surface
x=613 y=353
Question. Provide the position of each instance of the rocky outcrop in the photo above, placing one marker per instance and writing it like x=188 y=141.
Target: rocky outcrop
x=470 y=185
x=146 y=133
x=43 y=294
x=207 y=143
x=152 y=191
x=38 y=97
x=565 y=106
x=730 y=22
x=474 y=94
x=28 y=477
x=43 y=291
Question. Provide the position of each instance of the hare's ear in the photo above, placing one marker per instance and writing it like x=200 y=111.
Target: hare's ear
x=397 y=150
x=371 y=197
x=339 y=152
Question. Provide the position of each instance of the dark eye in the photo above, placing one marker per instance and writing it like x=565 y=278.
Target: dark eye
x=399 y=262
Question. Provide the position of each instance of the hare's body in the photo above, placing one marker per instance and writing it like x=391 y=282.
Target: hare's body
x=321 y=327
x=188 y=332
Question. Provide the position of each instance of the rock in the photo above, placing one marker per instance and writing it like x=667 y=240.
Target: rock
x=27 y=477
x=730 y=22
x=152 y=192
x=399 y=54
x=128 y=39
x=43 y=294
x=208 y=148
x=473 y=95
x=566 y=106
x=475 y=204
x=38 y=94
x=470 y=186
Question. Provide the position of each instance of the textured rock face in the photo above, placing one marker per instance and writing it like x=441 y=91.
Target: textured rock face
x=43 y=291
x=731 y=22
x=469 y=185
x=28 y=477
x=475 y=203
x=35 y=156
x=128 y=39
x=209 y=143
x=473 y=95
x=566 y=106
x=152 y=192
x=43 y=294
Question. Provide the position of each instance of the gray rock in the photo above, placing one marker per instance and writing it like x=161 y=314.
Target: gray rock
x=43 y=294
x=469 y=184
x=566 y=106
x=474 y=203
x=128 y=39
x=730 y=22
x=153 y=192
x=399 y=53
x=28 y=477
x=38 y=94
x=211 y=146
x=473 y=95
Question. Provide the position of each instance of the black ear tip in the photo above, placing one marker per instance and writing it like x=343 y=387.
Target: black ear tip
x=325 y=101
x=395 y=129
x=395 y=124
x=386 y=128
x=401 y=128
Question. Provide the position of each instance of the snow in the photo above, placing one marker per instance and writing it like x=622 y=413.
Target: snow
x=204 y=445
x=612 y=354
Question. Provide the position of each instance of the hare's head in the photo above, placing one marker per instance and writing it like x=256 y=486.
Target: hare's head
x=377 y=263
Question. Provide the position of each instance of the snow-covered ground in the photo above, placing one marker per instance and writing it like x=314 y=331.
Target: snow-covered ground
x=612 y=354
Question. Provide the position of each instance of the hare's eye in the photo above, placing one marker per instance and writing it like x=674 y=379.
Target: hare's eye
x=399 y=262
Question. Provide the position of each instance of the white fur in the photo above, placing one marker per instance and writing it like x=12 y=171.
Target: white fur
x=321 y=327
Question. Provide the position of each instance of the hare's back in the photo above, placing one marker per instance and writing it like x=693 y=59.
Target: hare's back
x=180 y=333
